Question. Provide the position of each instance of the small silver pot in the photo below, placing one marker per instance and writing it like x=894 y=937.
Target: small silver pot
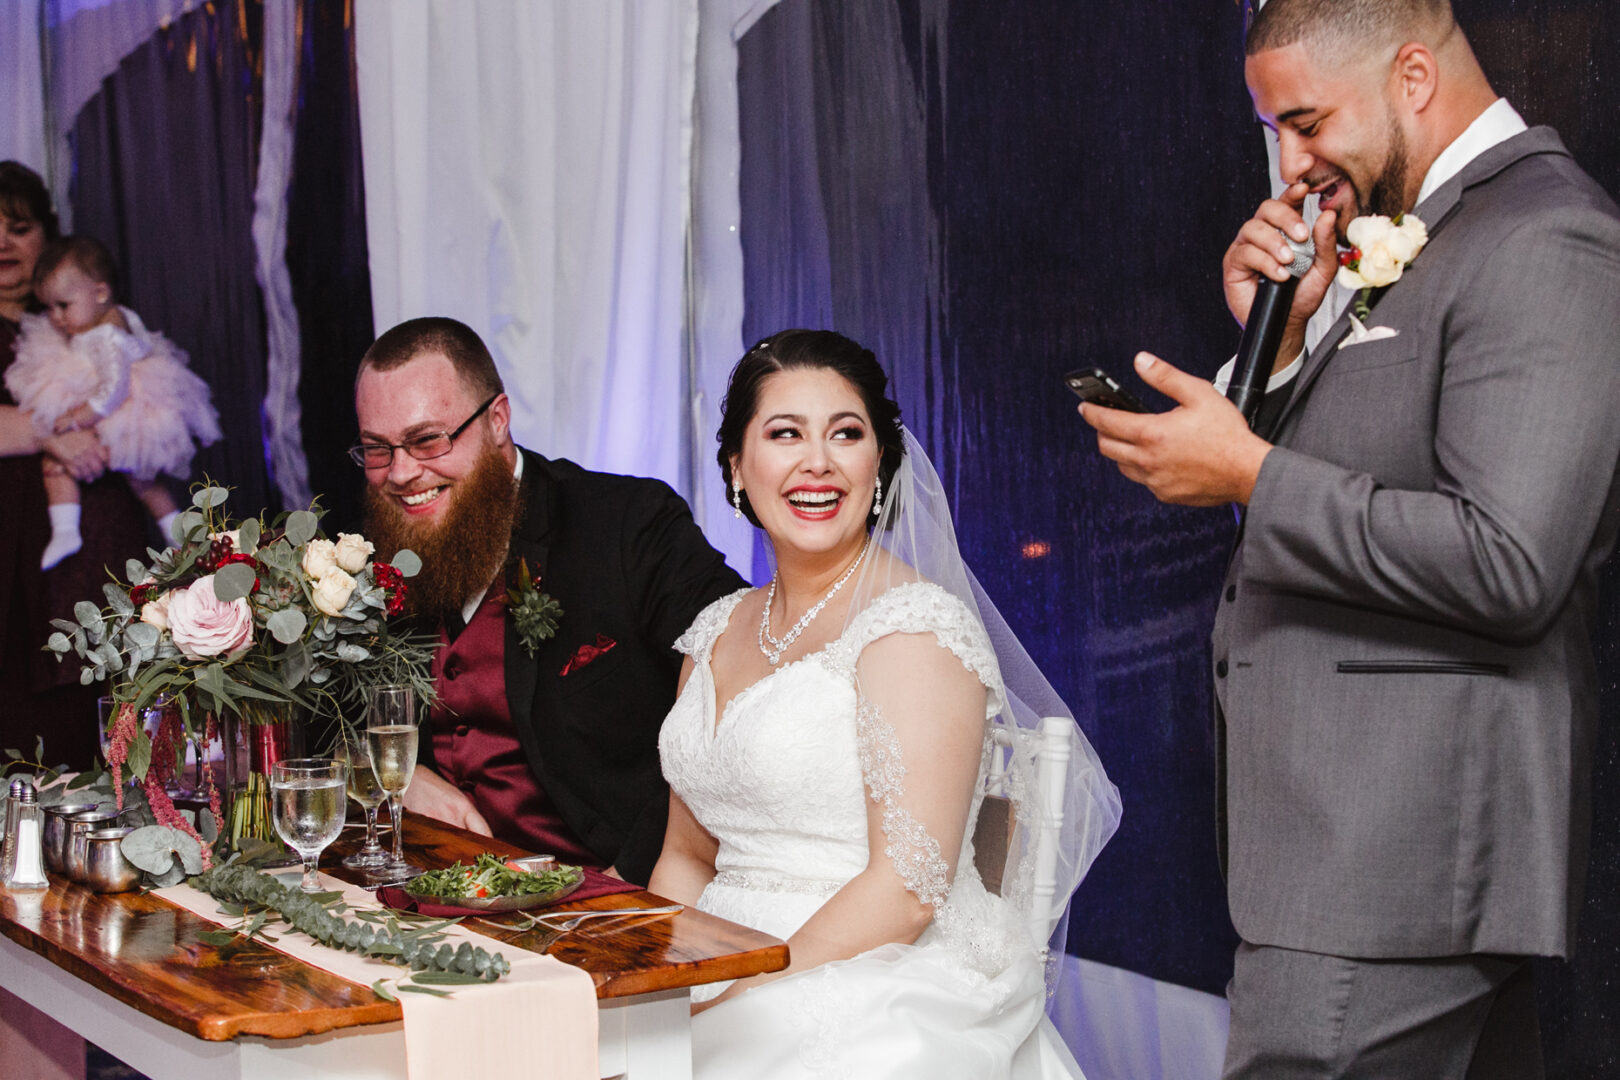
x=56 y=833
x=79 y=827
x=106 y=870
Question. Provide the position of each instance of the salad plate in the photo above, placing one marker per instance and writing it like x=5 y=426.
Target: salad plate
x=491 y=884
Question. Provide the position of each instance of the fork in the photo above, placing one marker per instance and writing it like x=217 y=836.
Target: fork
x=567 y=924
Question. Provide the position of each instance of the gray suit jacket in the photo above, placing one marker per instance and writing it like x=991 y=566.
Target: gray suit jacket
x=1402 y=653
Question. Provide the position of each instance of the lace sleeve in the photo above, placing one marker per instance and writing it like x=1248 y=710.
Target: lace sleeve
x=920 y=728
x=699 y=639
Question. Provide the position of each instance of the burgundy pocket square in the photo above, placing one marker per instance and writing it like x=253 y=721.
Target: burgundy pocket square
x=588 y=653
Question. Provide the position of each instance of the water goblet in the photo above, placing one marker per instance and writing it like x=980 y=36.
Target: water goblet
x=307 y=799
x=391 y=746
x=363 y=789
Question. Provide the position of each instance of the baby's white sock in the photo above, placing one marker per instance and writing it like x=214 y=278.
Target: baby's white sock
x=65 y=538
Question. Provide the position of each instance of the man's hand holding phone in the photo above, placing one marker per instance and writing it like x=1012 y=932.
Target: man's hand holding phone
x=1201 y=453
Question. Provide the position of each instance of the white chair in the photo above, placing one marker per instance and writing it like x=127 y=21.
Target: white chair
x=996 y=830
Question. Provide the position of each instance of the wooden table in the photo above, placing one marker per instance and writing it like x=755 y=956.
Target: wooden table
x=129 y=972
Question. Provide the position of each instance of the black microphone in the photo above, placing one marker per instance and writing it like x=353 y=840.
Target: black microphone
x=1262 y=334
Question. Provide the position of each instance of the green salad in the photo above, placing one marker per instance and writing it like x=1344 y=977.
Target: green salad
x=489 y=876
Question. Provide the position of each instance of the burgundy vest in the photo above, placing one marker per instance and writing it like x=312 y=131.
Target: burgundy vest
x=475 y=744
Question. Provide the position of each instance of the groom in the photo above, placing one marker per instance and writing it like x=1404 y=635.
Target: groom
x=546 y=732
x=1403 y=670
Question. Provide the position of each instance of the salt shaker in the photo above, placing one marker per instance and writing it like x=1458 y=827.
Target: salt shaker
x=24 y=856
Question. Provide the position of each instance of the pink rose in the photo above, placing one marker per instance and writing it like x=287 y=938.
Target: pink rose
x=203 y=627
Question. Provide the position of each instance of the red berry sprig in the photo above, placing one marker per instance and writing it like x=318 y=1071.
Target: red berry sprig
x=1350 y=257
x=219 y=551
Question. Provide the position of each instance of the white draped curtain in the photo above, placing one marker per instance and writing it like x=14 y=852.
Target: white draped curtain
x=527 y=172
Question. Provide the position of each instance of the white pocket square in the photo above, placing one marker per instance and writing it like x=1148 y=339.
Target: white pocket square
x=1360 y=333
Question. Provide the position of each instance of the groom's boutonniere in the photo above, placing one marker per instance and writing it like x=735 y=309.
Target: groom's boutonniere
x=534 y=613
x=1380 y=248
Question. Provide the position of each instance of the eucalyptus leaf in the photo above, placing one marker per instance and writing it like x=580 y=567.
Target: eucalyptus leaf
x=174 y=875
x=217 y=938
x=287 y=625
x=233 y=582
x=423 y=990
x=134 y=571
x=59 y=643
x=88 y=676
x=154 y=848
x=301 y=527
x=446 y=978
x=187 y=523
x=351 y=654
x=210 y=497
x=117 y=599
x=144 y=635
x=65 y=626
x=381 y=990
x=88 y=614
x=247 y=537
x=407 y=562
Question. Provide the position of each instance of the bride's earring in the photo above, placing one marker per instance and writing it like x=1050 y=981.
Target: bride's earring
x=877 y=497
x=736 y=498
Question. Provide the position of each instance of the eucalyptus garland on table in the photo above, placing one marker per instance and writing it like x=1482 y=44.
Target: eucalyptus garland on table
x=408 y=940
x=247 y=617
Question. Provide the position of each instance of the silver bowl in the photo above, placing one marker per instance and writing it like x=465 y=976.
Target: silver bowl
x=79 y=827
x=106 y=870
x=56 y=833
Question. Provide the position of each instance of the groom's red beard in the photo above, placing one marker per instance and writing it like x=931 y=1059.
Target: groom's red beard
x=463 y=548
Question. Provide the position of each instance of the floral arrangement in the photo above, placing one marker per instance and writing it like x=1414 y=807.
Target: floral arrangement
x=242 y=617
x=1380 y=250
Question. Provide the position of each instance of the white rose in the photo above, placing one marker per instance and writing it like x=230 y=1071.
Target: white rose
x=156 y=612
x=1367 y=231
x=1379 y=266
x=331 y=593
x=1349 y=279
x=320 y=558
x=352 y=551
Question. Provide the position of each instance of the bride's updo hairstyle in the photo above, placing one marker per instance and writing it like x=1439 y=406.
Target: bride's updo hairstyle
x=789 y=350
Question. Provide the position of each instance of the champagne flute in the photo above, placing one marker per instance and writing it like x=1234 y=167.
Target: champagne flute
x=391 y=743
x=307 y=797
x=363 y=789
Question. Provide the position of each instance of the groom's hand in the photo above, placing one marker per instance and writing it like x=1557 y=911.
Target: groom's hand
x=1200 y=453
x=433 y=796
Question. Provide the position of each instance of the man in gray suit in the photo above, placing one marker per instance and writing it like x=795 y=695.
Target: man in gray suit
x=1402 y=660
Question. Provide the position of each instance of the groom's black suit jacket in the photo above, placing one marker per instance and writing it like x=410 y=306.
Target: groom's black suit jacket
x=624 y=558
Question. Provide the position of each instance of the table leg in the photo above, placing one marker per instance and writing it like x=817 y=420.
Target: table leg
x=648 y=1037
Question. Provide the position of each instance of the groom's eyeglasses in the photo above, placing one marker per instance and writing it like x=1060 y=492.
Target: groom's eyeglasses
x=426 y=447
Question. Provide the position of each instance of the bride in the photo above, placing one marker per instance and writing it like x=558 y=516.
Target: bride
x=827 y=752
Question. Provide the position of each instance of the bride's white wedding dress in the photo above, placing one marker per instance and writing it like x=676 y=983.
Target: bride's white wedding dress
x=781 y=782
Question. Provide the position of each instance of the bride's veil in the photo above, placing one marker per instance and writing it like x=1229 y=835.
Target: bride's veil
x=913 y=538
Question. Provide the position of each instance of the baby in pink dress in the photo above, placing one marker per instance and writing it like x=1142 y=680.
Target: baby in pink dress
x=88 y=362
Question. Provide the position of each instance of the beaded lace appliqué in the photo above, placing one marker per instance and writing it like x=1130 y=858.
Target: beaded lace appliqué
x=916 y=855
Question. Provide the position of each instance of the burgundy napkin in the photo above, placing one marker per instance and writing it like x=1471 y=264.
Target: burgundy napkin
x=596 y=884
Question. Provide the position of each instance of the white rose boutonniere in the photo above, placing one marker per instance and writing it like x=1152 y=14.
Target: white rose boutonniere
x=352 y=551
x=1381 y=249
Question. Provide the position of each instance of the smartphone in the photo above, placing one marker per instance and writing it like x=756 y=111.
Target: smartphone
x=1100 y=388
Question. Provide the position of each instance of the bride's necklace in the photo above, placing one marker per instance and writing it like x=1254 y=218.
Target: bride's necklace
x=776 y=647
